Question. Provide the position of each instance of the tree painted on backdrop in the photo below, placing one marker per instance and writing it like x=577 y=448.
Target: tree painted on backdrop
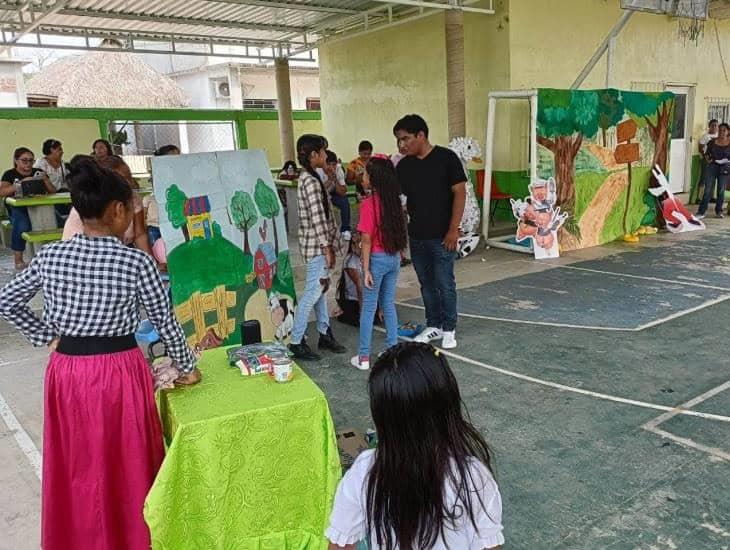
x=652 y=110
x=244 y=216
x=564 y=119
x=610 y=110
x=268 y=203
x=175 y=207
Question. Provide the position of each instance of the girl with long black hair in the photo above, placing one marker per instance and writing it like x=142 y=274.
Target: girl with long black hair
x=382 y=228
x=317 y=242
x=429 y=483
x=102 y=438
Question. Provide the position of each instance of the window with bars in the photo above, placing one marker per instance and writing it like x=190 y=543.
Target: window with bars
x=259 y=104
x=718 y=108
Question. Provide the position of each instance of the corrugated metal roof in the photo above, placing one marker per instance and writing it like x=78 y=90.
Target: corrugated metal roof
x=290 y=26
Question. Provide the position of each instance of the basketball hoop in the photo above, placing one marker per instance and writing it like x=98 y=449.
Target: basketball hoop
x=691 y=16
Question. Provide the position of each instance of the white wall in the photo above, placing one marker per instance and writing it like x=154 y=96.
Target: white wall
x=12 y=85
x=256 y=83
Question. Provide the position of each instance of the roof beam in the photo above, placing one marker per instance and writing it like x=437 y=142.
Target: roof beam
x=129 y=16
x=290 y=6
x=36 y=19
x=69 y=30
x=438 y=6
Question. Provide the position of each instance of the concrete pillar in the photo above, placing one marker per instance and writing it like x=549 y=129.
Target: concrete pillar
x=286 y=124
x=455 y=94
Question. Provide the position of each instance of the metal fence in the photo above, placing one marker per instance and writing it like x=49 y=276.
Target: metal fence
x=144 y=138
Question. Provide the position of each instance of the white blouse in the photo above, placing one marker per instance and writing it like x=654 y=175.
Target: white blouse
x=348 y=522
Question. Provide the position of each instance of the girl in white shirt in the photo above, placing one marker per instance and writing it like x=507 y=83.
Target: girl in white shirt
x=429 y=483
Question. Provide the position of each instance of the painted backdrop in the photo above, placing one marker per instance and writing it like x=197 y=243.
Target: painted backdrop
x=227 y=251
x=600 y=146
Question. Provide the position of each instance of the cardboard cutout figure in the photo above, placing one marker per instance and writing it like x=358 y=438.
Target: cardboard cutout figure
x=468 y=149
x=678 y=218
x=539 y=220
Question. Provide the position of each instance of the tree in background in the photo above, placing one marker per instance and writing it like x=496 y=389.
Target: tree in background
x=268 y=203
x=610 y=110
x=175 y=207
x=564 y=118
x=654 y=112
x=244 y=216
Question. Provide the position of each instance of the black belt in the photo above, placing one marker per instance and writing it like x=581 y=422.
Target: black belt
x=95 y=345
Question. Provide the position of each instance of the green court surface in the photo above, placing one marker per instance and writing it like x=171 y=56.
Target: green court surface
x=590 y=448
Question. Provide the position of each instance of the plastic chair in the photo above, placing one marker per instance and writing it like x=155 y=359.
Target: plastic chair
x=495 y=195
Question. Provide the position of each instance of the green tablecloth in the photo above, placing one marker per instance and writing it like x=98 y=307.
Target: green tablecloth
x=251 y=464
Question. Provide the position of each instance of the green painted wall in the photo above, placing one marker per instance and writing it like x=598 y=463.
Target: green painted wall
x=264 y=134
x=76 y=136
x=78 y=128
x=367 y=83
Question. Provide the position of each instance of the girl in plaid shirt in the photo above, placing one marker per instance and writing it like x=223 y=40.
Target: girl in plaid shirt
x=102 y=440
x=317 y=240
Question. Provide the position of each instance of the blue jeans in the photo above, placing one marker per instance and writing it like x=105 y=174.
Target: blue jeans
x=312 y=299
x=434 y=266
x=153 y=234
x=385 y=269
x=344 y=206
x=712 y=175
x=21 y=223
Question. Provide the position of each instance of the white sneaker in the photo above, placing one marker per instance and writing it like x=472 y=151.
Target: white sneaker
x=428 y=335
x=346 y=236
x=361 y=363
x=700 y=216
x=449 y=340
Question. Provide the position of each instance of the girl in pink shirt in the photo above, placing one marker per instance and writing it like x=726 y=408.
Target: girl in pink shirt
x=383 y=231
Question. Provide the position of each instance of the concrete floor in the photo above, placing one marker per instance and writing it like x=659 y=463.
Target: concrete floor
x=578 y=464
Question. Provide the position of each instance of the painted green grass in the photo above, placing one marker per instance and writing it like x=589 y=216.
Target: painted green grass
x=587 y=185
x=224 y=263
x=613 y=227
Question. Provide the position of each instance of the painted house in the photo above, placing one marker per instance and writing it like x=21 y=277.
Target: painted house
x=197 y=212
x=265 y=263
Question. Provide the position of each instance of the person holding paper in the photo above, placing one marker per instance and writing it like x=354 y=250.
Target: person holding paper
x=717 y=155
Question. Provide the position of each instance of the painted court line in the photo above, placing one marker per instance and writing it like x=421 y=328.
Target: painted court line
x=643 y=277
x=21 y=437
x=682 y=313
x=653 y=425
x=679 y=410
x=639 y=328
x=525 y=322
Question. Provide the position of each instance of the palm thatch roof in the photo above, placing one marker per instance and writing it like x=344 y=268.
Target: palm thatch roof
x=107 y=79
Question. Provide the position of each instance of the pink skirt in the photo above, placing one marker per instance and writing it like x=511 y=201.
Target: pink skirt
x=102 y=447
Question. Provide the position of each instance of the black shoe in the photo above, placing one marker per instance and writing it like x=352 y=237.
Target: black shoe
x=327 y=341
x=303 y=352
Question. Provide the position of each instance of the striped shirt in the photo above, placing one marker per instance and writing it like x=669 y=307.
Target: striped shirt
x=93 y=286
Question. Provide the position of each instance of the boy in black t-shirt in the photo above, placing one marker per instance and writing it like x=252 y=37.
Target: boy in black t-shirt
x=433 y=180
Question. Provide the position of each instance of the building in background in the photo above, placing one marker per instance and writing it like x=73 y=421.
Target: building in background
x=12 y=85
x=246 y=86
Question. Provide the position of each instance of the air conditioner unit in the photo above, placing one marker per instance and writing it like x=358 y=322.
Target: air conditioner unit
x=222 y=89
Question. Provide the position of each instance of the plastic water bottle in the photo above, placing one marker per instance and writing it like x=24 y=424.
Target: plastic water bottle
x=18 y=189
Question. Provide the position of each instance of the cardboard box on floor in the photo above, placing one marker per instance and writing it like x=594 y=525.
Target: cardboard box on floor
x=351 y=443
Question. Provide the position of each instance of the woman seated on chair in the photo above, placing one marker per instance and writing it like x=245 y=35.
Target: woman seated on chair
x=23 y=159
x=136 y=234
